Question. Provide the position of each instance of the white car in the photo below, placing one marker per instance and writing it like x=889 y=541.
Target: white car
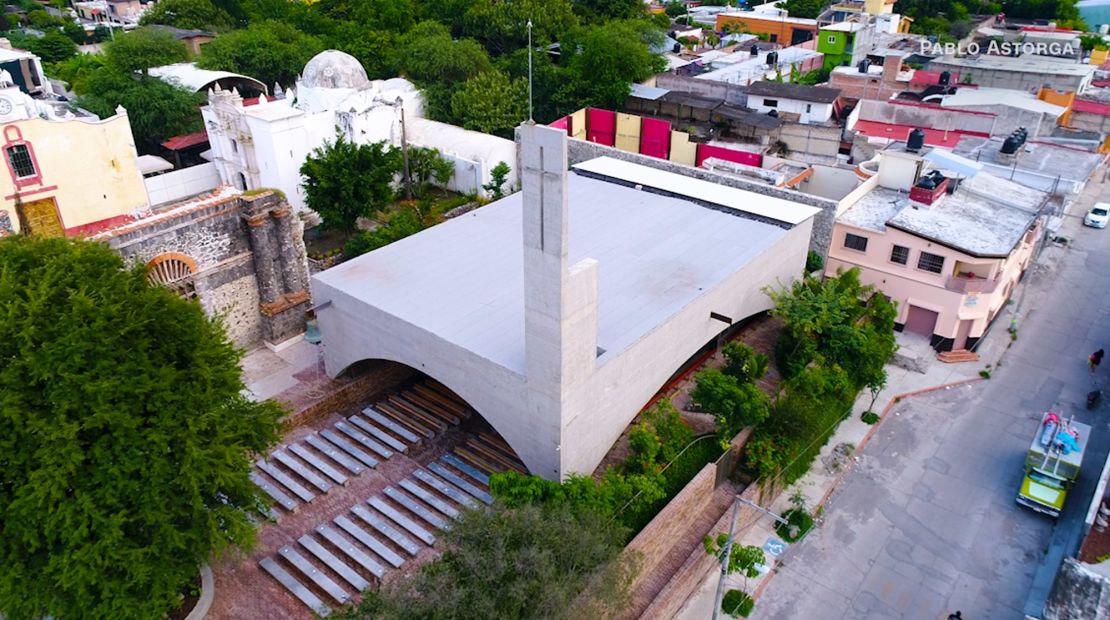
x=1098 y=215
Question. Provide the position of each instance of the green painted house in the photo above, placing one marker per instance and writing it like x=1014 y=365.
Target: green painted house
x=841 y=42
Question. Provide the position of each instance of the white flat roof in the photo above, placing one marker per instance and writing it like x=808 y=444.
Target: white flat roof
x=463 y=280
x=843 y=27
x=1001 y=96
x=1027 y=63
x=768 y=207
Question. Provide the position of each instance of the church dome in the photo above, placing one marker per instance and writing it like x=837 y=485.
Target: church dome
x=334 y=69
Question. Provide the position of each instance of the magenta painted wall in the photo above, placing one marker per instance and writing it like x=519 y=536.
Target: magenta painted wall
x=601 y=126
x=705 y=151
x=562 y=123
x=655 y=137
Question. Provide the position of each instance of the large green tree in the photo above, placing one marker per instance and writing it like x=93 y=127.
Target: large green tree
x=532 y=561
x=594 y=11
x=271 y=52
x=840 y=321
x=156 y=109
x=603 y=62
x=52 y=46
x=345 y=181
x=491 y=103
x=431 y=56
x=144 y=48
x=189 y=14
x=125 y=440
x=502 y=25
x=77 y=70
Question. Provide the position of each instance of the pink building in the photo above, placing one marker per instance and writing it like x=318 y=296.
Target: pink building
x=944 y=240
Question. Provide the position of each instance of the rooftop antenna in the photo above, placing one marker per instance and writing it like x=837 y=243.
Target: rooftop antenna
x=530 y=119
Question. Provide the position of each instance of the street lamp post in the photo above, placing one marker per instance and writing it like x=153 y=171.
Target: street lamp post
x=727 y=551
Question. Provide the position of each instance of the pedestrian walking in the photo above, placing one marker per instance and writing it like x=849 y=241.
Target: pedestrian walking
x=956 y=616
x=1095 y=359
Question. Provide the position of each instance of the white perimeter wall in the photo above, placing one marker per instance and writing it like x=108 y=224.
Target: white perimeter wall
x=182 y=183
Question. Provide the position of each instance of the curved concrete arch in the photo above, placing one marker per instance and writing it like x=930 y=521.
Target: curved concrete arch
x=482 y=400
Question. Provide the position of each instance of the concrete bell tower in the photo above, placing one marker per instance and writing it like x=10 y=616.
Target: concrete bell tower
x=560 y=301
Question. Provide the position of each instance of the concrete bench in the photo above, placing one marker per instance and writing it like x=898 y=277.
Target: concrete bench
x=454 y=493
x=465 y=468
x=319 y=463
x=349 y=448
x=298 y=468
x=409 y=411
x=496 y=449
x=493 y=457
x=379 y=433
x=335 y=454
x=369 y=541
x=295 y=587
x=359 y=556
x=431 y=406
x=452 y=404
x=363 y=440
x=285 y=480
x=333 y=563
x=282 y=499
x=476 y=460
x=429 y=498
x=390 y=532
x=415 y=508
x=381 y=506
x=385 y=421
x=321 y=580
x=460 y=482
x=428 y=405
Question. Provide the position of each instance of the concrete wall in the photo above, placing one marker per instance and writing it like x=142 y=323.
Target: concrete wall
x=1089 y=122
x=1012 y=79
x=924 y=116
x=1008 y=118
x=730 y=93
x=829 y=182
x=183 y=183
x=90 y=169
x=818 y=143
x=580 y=151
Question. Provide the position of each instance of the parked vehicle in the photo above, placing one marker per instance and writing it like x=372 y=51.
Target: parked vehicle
x=1052 y=463
x=1098 y=216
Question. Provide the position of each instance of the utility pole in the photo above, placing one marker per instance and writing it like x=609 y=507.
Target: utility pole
x=728 y=547
x=530 y=119
x=405 y=152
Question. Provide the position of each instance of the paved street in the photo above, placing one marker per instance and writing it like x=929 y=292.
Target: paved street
x=926 y=522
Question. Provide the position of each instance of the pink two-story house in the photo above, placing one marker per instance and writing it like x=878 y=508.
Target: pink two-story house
x=947 y=247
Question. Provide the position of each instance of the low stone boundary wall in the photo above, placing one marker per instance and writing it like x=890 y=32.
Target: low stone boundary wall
x=376 y=379
x=658 y=539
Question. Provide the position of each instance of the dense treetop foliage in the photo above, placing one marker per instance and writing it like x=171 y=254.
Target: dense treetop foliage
x=531 y=561
x=125 y=441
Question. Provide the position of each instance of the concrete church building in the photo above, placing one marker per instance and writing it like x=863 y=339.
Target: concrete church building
x=559 y=311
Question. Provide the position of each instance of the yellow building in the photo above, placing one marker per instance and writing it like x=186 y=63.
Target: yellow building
x=65 y=175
